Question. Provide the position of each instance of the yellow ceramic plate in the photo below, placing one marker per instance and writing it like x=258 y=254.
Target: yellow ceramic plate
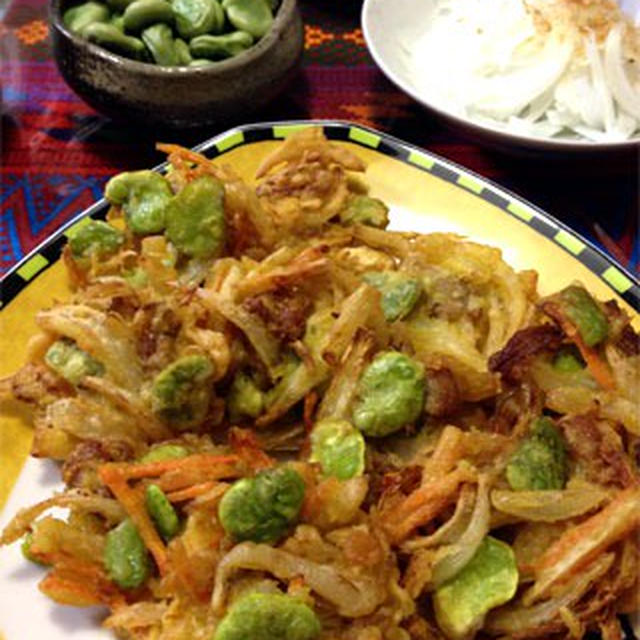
x=425 y=194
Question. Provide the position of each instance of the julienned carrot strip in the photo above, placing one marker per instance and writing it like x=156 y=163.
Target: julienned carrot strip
x=246 y=445
x=183 y=478
x=190 y=492
x=152 y=469
x=80 y=583
x=133 y=502
x=424 y=504
x=188 y=155
x=579 y=544
x=597 y=367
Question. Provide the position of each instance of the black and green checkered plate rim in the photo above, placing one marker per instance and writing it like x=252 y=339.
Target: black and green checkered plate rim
x=615 y=276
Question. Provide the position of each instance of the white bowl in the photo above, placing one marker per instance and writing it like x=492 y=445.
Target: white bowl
x=392 y=29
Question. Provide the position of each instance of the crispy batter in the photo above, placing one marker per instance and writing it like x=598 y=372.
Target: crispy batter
x=167 y=353
x=599 y=449
x=512 y=362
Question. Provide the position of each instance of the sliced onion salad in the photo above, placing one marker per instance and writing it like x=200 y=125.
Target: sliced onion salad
x=526 y=66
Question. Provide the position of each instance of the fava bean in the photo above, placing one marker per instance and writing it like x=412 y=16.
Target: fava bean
x=96 y=238
x=161 y=511
x=268 y=616
x=365 y=210
x=339 y=448
x=253 y=16
x=25 y=548
x=136 y=277
x=568 y=361
x=143 y=13
x=111 y=38
x=583 y=311
x=165 y=452
x=261 y=508
x=159 y=41
x=201 y=62
x=125 y=557
x=195 y=217
x=540 y=462
x=197 y=17
x=66 y=358
x=245 y=398
x=390 y=394
x=143 y=195
x=182 y=51
x=117 y=20
x=487 y=581
x=220 y=47
x=78 y=18
x=180 y=393
x=400 y=292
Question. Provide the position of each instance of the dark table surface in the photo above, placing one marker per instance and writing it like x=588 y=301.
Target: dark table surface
x=57 y=152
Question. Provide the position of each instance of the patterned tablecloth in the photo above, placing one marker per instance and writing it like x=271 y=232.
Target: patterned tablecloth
x=57 y=152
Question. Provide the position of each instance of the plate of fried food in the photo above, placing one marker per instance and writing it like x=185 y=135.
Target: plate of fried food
x=307 y=382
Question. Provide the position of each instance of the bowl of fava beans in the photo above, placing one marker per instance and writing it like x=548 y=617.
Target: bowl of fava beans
x=176 y=63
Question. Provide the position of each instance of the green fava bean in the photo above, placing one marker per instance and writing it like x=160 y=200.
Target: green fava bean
x=136 y=277
x=488 y=580
x=585 y=314
x=195 y=218
x=268 y=616
x=109 y=37
x=220 y=47
x=201 y=62
x=143 y=13
x=262 y=508
x=159 y=41
x=144 y=197
x=117 y=20
x=253 y=16
x=78 y=18
x=400 y=292
x=245 y=398
x=390 y=394
x=165 y=452
x=365 y=210
x=71 y=362
x=125 y=557
x=540 y=462
x=25 y=548
x=180 y=393
x=182 y=51
x=339 y=448
x=161 y=511
x=568 y=361
x=197 y=17
x=96 y=238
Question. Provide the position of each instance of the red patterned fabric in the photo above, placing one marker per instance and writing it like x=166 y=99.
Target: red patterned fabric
x=57 y=152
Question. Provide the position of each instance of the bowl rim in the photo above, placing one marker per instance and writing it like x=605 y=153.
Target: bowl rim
x=484 y=130
x=285 y=12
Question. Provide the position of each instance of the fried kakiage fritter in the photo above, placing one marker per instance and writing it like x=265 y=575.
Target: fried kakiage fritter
x=276 y=419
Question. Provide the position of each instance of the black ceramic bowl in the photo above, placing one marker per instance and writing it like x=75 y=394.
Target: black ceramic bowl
x=180 y=96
